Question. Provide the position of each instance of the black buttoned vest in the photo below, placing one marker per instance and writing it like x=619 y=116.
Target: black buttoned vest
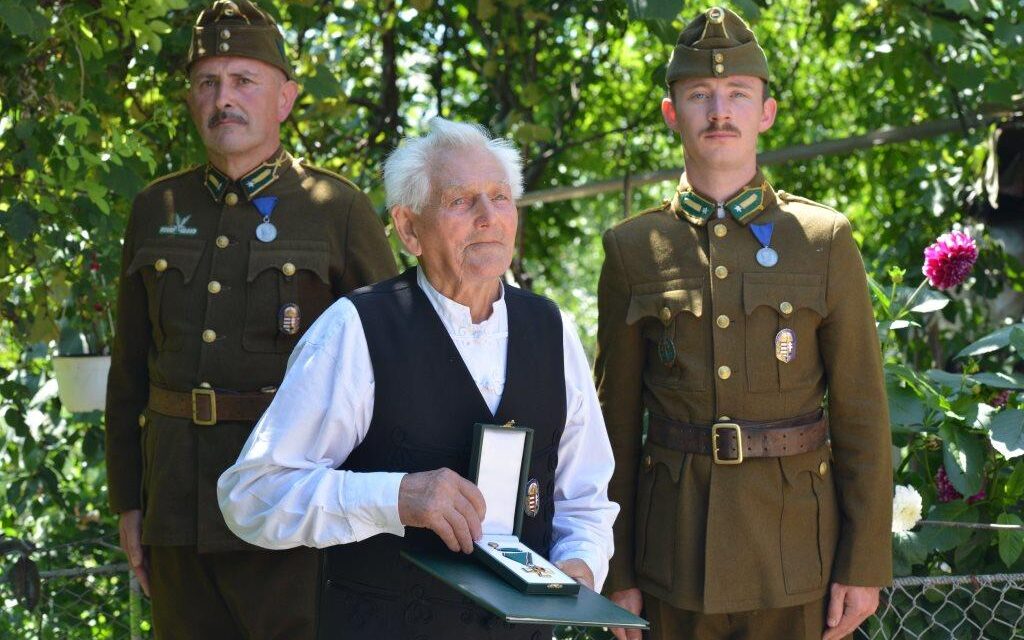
x=425 y=405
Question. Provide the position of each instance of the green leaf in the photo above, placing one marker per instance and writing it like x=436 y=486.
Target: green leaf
x=1011 y=541
x=17 y=18
x=664 y=32
x=324 y=84
x=748 y=9
x=929 y=301
x=1014 y=487
x=1000 y=380
x=656 y=9
x=19 y=222
x=944 y=538
x=1017 y=339
x=908 y=545
x=1006 y=432
x=905 y=407
x=992 y=342
x=964 y=457
x=980 y=415
x=952 y=380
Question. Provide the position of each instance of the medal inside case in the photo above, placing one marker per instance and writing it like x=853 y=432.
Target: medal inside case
x=500 y=467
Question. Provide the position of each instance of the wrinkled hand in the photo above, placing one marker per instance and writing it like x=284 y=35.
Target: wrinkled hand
x=847 y=608
x=444 y=502
x=578 y=571
x=129 y=530
x=632 y=601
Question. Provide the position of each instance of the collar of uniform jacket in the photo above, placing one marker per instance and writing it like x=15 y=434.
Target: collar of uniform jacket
x=251 y=183
x=746 y=205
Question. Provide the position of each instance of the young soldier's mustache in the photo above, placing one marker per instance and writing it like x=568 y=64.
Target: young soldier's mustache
x=719 y=128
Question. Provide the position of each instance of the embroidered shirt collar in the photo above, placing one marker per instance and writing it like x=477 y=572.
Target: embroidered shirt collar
x=252 y=183
x=744 y=206
x=457 y=318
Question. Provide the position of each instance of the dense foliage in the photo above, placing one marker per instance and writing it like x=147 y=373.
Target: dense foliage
x=91 y=108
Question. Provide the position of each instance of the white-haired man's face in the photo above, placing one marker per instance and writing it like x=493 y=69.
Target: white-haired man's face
x=467 y=233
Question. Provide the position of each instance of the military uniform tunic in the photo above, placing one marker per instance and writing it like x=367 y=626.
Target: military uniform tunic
x=688 y=330
x=200 y=303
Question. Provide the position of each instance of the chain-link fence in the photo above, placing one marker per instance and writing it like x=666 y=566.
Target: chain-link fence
x=67 y=593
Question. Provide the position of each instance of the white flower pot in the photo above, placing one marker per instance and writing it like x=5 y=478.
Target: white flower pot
x=82 y=381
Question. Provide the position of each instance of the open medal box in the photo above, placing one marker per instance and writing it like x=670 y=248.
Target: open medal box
x=500 y=467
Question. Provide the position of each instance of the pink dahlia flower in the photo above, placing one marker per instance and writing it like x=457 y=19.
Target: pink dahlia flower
x=948 y=262
x=946 y=492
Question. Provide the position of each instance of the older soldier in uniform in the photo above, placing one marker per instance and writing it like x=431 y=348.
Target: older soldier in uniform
x=727 y=314
x=224 y=266
x=369 y=439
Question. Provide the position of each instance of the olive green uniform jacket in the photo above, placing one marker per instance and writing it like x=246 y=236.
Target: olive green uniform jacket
x=770 y=532
x=199 y=302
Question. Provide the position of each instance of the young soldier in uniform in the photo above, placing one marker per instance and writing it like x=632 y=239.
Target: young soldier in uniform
x=224 y=266
x=727 y=314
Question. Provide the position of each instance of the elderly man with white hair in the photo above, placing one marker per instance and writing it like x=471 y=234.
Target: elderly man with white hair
x=366 y=446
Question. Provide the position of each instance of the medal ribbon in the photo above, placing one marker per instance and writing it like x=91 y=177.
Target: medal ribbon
x=763 y=233
x=265 y=205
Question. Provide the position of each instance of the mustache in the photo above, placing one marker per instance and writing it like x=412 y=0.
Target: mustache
x=226 y=115
x=720 y=128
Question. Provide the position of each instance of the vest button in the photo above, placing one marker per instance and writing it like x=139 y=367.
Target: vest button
x=721 y=272
x=786 y=308
x=231 y=199
x=209 y=336
x=721 y=230
x=160 y=265
x=288 y=269
x=722 y=321
x=666 y=315
x=822 y=469
x=724 y=372
x=213 y=287
x=142 y=419
x=222 y=242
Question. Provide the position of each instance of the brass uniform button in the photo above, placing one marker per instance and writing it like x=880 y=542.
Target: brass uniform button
x=719 y=68
x=786 y=308
x=724 y=372
x=724 y=419
x=822 y=469
x=222 y=242
x=721 y=272
x=288 y=269
x=205 y=385
x=142 y=419
x=213 y=287
x=719 y=58
x=225 y=34
x=231 y=199
x=666 y=314
x=722 y=321
x=160 y=265
x=716 y=15
x=224 y=46
x=209 y=335
x=721 y=230
x=648 y=463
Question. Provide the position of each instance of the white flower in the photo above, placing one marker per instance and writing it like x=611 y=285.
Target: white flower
x=906 y=508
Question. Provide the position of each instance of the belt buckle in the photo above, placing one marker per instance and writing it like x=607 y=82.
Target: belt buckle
x=714 y=443
x=209 y=393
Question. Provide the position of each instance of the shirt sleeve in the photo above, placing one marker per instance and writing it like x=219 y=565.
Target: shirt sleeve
x=583 y=513
x=285 y=489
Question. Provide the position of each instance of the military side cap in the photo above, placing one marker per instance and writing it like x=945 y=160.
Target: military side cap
x=237 y=28
x=716 y=44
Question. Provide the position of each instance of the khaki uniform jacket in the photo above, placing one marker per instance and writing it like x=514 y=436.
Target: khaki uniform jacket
x=199 y=302
x=770 y=532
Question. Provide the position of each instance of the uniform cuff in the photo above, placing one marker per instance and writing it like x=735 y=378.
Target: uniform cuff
x=588 y=553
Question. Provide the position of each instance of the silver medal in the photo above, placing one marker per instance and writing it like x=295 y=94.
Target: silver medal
x=266 y=232
x=767 y=257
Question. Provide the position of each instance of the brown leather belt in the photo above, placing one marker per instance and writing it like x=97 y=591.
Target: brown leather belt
x=207 y=406
x=735 y=441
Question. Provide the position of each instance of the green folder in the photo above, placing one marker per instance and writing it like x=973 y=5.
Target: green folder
x=487 y=589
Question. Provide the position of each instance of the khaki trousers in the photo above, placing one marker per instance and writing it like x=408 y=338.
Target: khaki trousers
x=803 y=622
x=243 y=595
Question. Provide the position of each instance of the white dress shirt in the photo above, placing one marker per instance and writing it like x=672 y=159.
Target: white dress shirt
x=285 y=489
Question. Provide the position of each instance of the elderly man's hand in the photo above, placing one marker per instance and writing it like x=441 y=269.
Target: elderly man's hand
x=578 y=571
x=444 y=502
x=847 y=608
x=632 y=600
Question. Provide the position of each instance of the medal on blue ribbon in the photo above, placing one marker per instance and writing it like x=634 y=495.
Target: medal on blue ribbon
x=266 y=231
x=766 y=256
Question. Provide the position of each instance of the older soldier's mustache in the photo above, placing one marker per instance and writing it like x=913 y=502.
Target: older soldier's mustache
x=222 y=116
x=719 y=128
